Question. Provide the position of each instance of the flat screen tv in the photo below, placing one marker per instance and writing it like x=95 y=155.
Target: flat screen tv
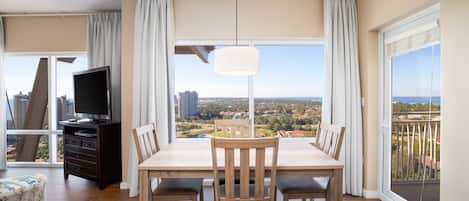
x=92 y=92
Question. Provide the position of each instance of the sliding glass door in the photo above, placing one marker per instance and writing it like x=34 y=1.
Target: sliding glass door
x=411 y=111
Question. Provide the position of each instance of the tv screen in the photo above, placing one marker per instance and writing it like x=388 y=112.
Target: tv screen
x=92 y=94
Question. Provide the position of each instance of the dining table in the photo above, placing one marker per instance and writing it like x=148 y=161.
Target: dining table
x=193 y=159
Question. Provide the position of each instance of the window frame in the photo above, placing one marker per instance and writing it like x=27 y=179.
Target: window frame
x=251 y=79
x=52 y=132
x=394 y=32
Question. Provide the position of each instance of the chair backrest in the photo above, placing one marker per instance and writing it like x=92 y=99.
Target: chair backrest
x=146 y=141
x=245 y=146
x=234 y=128
x=329 y=139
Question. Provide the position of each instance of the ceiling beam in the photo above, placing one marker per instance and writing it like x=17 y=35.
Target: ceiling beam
x=200 y=51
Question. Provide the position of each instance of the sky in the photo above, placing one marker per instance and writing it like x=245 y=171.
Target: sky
x=20 y=73
x=416 y=73
x=285 y=71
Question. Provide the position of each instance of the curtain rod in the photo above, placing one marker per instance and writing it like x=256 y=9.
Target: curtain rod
x=53 y=14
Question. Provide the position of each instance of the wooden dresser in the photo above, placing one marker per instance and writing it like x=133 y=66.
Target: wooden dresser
x=95 y=158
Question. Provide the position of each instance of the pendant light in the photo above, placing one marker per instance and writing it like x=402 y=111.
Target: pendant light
x=236 y=60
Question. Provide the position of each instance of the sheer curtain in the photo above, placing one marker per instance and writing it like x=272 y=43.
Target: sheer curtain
x=342 y=99
x=104 y=49
x=153 y=75
x=3 y=133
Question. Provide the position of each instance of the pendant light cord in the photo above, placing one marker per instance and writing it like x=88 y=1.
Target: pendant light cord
x=236 y=21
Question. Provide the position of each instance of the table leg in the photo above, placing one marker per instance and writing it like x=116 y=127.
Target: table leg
x=144 y=186
x=334 y=190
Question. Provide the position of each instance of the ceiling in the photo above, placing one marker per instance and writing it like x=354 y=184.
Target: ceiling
x=51 y=6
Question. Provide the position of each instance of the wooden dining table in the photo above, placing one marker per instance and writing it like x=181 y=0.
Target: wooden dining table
x=192 y=159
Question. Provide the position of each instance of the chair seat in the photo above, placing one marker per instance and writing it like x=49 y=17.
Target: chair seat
x=238 y=192
x=302 y=185
x=178 y=187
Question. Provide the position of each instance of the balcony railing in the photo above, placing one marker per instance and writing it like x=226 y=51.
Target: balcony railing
x=416 y=146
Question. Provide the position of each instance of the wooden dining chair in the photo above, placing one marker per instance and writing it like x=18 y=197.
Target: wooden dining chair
x=238 y=128
x=330 y=142
x=233 y=147
x=168 y=189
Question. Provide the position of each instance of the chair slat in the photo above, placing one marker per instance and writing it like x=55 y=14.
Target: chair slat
x=260 y=166
x=244 y=173
x=229 y=173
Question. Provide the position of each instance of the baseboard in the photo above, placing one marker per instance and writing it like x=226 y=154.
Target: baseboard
x=124 y=186
x=370 y=194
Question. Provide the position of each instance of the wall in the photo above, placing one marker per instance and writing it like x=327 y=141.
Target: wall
x=260 y=19
x=46 y=34
x=128 y=14
x=214 y=20
x=455 y=96
x=372 y=15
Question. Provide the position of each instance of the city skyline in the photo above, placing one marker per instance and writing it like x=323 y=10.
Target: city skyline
x=19 y=106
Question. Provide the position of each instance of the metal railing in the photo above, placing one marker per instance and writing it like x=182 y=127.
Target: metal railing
x=415 y=147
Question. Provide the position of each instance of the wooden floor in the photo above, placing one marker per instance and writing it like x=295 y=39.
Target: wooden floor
x=78 y=189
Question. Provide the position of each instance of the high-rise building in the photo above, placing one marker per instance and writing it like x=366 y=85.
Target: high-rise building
x=188 y=102
x=65 y=108
x=20 y=103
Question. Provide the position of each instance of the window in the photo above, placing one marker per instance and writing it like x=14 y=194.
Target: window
x=415 y=120
x=202 y=97
x=410 y=133
x=33 y=131
x=287 y=92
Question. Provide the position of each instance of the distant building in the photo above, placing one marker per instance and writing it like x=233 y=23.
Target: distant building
x=20 y=103
x=65 y=109
x=188 y=102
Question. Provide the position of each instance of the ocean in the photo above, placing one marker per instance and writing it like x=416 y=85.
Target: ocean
x=416 y=99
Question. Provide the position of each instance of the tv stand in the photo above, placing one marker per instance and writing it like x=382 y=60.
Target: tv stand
x=96 y=158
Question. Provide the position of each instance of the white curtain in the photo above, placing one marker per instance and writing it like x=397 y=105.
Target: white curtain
x=3 y=134
x=342 y=99
x=104 y=49
x=153 y=75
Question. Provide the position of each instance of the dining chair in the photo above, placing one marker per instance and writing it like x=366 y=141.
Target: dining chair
x=329 y=142
x=168 y=189
x=238 y=128
x=233 y=128
x=321 y=135
x=245 y=149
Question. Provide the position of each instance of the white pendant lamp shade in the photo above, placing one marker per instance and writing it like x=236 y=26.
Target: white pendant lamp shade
x=236 y=61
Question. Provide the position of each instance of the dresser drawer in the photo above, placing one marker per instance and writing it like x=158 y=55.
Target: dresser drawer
x=82 y=162
x=71 y=140
x=80 y=149
x=80 y=155
x=81 y=170
x=88 y=144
